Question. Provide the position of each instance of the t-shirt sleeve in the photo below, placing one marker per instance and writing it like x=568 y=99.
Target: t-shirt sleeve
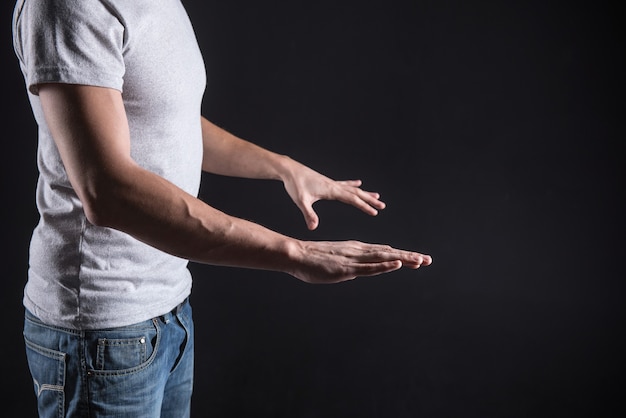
x=69 y=41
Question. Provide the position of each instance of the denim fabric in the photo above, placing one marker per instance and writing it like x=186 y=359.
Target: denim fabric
x=143 y=370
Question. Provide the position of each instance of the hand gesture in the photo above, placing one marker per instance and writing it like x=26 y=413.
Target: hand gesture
x=333 y=262
x=306 y=186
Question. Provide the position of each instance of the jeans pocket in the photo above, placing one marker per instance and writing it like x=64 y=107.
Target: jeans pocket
x=122 y=350
x=120 y=353
x=47 y=369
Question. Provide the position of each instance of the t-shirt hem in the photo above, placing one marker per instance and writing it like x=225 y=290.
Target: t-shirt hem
x=119 y=318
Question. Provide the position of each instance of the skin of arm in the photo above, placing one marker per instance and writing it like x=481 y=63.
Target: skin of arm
x=226 y=154
x=90 y=129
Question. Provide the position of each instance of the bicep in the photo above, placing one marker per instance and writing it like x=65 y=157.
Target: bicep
x=90 y=129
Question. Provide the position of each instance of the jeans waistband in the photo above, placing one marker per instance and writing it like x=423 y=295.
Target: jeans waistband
x=174 y=312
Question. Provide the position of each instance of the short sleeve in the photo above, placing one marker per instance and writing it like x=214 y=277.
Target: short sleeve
x=69 y=41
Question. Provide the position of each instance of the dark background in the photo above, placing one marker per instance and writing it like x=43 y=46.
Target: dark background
x=494 y=132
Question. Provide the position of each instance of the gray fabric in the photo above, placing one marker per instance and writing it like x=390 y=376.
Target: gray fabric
x=82 y=276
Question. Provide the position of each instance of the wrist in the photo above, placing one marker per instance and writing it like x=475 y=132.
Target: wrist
x=285 y=167
x=294 y=253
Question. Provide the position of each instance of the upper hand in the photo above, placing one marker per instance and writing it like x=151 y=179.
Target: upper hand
x=306 y=186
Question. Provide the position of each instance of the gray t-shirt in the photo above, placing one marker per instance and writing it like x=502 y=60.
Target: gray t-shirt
x=82 y=276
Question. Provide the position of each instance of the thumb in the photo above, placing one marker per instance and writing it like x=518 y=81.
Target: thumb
x=310 y=217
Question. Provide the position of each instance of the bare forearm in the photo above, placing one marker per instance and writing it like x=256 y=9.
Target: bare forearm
x=229 y=155
x=160 y=214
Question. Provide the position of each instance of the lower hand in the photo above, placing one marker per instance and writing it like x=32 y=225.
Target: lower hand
x=333 y=262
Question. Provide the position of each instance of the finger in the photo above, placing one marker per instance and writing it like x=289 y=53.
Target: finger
x=352 y=197
x=373 y=269
x=416 y=260
x=372 y=194
x=378 y=253
x=371 y=198
x=310 y=217
x=351 y=183
x=410 y=260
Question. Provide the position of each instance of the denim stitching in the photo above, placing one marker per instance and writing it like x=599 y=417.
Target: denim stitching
x=136 y=369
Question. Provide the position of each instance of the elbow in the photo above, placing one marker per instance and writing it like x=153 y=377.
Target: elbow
x=100 y=205
x=95 y=215
x=107 y=192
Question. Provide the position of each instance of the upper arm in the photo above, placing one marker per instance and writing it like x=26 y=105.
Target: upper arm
x=90 y=129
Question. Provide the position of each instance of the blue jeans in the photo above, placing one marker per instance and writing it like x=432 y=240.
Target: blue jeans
x=143 y=370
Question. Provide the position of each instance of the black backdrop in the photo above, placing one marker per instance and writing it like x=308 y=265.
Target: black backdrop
x=493 y=131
